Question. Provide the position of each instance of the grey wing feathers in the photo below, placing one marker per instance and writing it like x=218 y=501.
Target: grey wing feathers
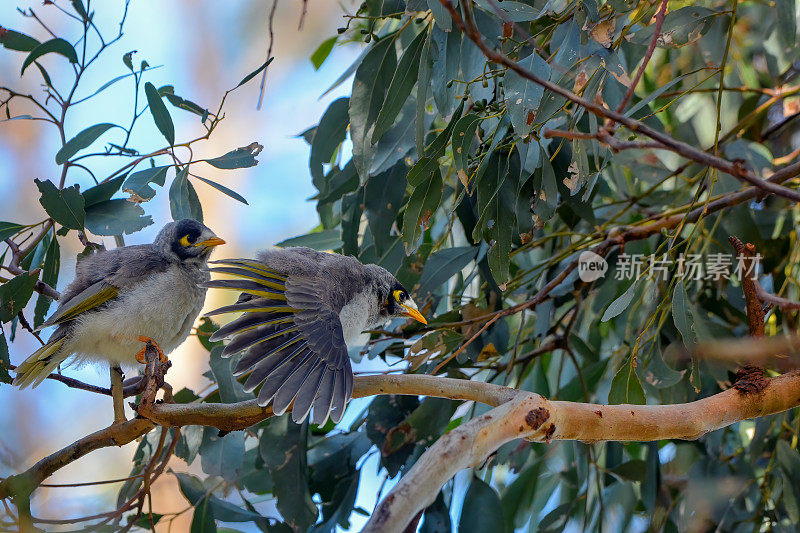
x=290 y=339
x=98 y=276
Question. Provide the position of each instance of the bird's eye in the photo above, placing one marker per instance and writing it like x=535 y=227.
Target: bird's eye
x=400 y=296
x=184 y=241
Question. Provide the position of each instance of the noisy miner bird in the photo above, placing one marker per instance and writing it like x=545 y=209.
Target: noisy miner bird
x=126 y=296
x=301 y=310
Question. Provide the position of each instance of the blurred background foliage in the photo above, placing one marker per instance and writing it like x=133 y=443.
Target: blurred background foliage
x=432 y=162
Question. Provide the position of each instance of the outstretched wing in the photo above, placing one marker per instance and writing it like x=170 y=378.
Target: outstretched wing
x=292 y=342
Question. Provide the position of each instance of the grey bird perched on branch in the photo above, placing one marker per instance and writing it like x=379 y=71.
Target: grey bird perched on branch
x=301 y=310
x=126 y=296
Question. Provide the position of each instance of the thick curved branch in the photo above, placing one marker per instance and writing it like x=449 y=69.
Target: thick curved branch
x=116 y=435
x=520 y=412
x=538 y=419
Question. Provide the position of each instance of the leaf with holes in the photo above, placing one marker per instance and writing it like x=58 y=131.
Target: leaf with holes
x=243 y=157
x=65 y=206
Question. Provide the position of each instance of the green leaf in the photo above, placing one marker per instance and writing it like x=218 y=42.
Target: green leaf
x=5 y=360
x=183 y=200
x=203 y=518
x=403 y=80
x=14 y=295
x=65 y=206
x=481 y=511
x=223 y=189
x=443 y=265
x=254 y=73
x=680 y=27
x=283 y=449
x=9 y=229
x=514 y=11
x=159 y=112
x=322 y=52
x=116 y=217
x=383 y=197
x=50 y=268
x=240 y=158
x=147 y=520
x=621 y=303
x=190 y=439
x=372 y=80
x=191 y=487
x=386 y=429
x=329 y=239
x=58 y=46
x=787 y=22
x=14 y=40
x=77 y=5
x=423 y=202
x=230 y=390
x=437 y=517
x=681 y=314
x=626 y=387
x=222 y=456
x=463 y=137
x=423 y=87
x=81 y=141
x=634 y=470
x=167 y=92
x=138 y=183
x=329 y=134
x=496 y=192
x=102 y=192
x=351 y=220
x=523 y=95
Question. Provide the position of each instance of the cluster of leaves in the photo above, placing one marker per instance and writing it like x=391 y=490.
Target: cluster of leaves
x=452 y=185
x=33 y=251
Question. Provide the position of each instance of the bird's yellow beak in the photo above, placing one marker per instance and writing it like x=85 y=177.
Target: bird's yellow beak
x=413 y=312
x=210 y=243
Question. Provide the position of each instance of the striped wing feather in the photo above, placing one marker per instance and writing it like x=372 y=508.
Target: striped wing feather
x=291 y=343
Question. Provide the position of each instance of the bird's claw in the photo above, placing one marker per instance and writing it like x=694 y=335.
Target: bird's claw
x=140 y=355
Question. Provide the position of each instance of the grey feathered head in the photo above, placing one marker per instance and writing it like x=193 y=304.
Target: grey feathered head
x=187 y=240
x=394 y=298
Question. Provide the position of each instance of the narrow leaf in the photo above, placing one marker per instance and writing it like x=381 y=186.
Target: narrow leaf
x=405 y=76
x=240 y=158
x=81 y=141
x=58 y=46
x=160 y=114
x=322 y=52
x=223 y=189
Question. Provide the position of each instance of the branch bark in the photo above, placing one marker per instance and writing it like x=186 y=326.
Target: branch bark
x=535 y=418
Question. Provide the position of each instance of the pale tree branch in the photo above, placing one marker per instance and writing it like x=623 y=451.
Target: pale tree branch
x=572 y=421
x=535 y=418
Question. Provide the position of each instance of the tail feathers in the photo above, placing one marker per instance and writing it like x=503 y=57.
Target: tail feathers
x=39 y=365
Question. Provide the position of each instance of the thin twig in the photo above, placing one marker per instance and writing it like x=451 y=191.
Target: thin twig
x=660 y=14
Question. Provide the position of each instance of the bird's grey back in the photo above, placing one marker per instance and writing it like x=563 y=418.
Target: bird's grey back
x=338 y=277
x=120 y=267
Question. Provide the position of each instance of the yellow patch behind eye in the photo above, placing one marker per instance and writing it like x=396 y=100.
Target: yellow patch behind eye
x=184 y=241
x=396 y=294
